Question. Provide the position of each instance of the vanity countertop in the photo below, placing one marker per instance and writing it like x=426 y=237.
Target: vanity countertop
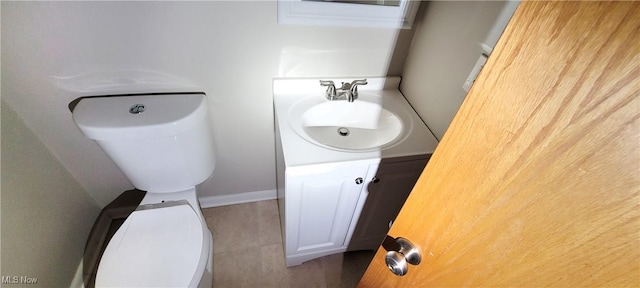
x=416 y=139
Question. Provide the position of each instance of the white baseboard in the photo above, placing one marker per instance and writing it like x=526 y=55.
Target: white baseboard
x=223 y=200
x=77 y=281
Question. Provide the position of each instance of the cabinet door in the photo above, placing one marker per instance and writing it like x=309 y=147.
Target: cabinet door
x=320 y=208
x=386 y=195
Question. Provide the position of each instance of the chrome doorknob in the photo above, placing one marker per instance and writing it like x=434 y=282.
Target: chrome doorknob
x=396 y=263
x=400 y=252
x=410 y=251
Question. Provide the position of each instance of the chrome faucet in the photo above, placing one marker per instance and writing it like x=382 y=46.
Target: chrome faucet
x=348 y=91
x=331 y=89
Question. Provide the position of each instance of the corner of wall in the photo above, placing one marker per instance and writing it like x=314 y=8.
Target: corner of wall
x=43 y=206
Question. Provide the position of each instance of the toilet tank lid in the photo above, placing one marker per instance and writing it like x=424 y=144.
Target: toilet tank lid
x=139 y=116
x=160 y=247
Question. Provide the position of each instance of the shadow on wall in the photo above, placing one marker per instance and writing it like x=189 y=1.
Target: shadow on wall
x=123 y=82
x=450 y=38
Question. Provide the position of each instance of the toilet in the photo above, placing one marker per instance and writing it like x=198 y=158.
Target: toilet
x=164 y=144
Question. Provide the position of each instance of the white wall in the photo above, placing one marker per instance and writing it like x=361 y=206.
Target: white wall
x=46 y=214
x=445 y=48
x=54 y=52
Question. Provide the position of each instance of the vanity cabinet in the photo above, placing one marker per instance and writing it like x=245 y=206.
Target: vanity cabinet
x=333 y=208
x=338 y=191
x=386 y=192
x=320 y=206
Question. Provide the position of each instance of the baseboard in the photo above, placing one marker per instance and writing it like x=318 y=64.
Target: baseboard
x=77 y=281
x=223 y=200
x=295 y=260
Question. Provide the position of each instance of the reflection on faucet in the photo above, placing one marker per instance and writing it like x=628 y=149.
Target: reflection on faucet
x=348 y=91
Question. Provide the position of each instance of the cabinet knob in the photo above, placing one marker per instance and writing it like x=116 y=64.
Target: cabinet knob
x=375 y=179
x=359 y=180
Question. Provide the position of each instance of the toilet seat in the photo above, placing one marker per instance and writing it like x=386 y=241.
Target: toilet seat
x=158 y=245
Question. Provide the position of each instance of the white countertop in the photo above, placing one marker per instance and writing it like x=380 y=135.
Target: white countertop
x=416 y=139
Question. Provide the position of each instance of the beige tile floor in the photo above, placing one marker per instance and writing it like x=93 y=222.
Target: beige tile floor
x=248 y=252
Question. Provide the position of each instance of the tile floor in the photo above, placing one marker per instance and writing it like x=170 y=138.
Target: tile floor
x=248 y=252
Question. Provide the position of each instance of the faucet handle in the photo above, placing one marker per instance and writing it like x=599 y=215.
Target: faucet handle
x=354 y=86
x=359 y=82
x=331 y=88
x=326 y=83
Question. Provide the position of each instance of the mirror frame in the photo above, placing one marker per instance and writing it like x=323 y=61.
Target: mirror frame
x=347 y=14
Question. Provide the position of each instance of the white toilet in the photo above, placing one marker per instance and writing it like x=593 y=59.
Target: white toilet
x=164 y=145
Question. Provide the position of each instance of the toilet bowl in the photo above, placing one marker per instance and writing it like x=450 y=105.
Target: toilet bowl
x=164 y=145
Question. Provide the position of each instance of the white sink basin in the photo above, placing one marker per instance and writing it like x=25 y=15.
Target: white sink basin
x=362 y=125
x=394 y=130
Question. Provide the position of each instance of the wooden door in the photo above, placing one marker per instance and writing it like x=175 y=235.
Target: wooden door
x=537 y=181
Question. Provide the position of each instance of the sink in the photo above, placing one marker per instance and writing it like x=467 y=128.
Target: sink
x=379 y=124
x=363 y=125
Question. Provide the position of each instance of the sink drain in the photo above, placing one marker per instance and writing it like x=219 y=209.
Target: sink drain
x=343 y=131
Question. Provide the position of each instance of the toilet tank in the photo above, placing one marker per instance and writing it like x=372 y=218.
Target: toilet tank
x=162 y=143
